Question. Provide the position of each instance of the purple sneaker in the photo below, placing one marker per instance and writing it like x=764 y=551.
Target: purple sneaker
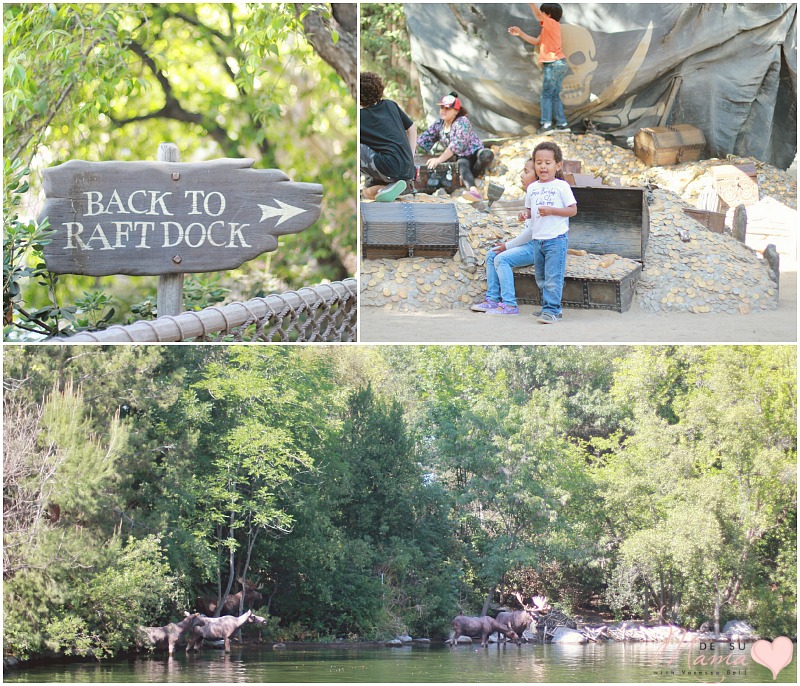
x=504 y=309
x=485 y=306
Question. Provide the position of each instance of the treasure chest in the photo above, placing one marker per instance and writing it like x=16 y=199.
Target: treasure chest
x=664 y=145
x=584 y=290
x=610 y=221
x=713 y=221
x=444 y=176
x=406 y=229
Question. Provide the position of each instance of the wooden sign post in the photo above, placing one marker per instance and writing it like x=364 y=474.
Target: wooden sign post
x=167 y=218
x=169 y=295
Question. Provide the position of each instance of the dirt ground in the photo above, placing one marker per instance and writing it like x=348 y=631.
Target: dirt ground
x=377 y=325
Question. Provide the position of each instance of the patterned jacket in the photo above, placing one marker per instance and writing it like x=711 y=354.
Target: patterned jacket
x=463 y=141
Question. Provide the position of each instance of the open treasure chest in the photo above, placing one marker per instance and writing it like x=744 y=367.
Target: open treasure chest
x=408 y=229
x=612 y=226
x=445 y=176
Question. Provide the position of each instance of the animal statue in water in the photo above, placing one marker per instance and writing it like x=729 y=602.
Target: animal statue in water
x=171 y=634
x=519 y=620
x=231 y=603
x=479 y=626
x=220 y=629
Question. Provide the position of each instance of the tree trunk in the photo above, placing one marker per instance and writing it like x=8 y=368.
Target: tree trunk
x=716 y=603
x=341 y=56
x=231 y=572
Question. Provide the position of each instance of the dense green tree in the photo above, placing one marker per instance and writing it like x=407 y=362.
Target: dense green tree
x=71 y=583
x=386 y=50
x=707 y=475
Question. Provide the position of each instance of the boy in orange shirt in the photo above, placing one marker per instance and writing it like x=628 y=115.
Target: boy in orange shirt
x=553 y=63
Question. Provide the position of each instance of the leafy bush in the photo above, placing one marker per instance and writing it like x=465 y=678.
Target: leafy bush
x=99 y=612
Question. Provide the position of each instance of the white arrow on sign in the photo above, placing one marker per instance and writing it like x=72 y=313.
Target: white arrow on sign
x=284 y=211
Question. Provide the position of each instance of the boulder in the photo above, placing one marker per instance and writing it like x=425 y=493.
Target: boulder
x=406 y=638
x=739 y=629
x=564 y=635
x=394 y=643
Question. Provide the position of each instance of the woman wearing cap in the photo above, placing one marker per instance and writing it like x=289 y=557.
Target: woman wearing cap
x=454 y=131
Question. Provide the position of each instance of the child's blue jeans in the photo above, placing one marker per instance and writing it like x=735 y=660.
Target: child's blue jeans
x=499 y=275
x=553 y=74
x=550 y=265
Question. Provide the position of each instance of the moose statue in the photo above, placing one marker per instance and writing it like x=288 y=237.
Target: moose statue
x=524 y=619
x=231 y=603
x=220 y=629
x=548 y=619
x=479 y=626
x=170 y=635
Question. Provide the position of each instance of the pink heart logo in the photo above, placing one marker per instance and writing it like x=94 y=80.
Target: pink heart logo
x=774 y=656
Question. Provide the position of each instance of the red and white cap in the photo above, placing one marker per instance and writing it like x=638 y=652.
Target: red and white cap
x=450 y=101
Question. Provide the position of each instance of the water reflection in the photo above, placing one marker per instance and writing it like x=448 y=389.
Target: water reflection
x=602 y=662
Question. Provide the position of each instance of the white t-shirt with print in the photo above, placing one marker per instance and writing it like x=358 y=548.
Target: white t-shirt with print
x=555 y=193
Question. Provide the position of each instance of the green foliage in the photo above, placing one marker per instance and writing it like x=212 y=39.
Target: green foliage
x=22 y=246
x=372 y=491
x=707 y=474
x=133 y=582
x=100 y=609
x=100 y=82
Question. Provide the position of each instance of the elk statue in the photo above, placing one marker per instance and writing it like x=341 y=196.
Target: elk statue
x=220 y=629
x=231 y=603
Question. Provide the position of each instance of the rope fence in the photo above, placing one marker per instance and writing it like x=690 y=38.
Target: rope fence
x=324 y=313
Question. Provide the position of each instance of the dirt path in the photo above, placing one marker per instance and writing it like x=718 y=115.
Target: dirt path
x=377 y=325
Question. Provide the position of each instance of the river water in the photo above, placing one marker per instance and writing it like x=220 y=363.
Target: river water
x=601 y=662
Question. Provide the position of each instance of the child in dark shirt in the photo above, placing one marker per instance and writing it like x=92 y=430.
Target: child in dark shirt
x=388 y=141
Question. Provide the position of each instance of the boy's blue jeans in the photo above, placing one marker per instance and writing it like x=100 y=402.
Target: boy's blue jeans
x=553 y=74
x=550 y=265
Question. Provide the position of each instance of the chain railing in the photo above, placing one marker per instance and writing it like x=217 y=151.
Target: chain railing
x=324 y=313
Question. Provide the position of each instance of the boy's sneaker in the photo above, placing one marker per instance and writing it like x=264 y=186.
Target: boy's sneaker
x=548 y=318
x=539 y=314
x=502 y=308
x=563 y=128
x=545 y=128
x=485 y=306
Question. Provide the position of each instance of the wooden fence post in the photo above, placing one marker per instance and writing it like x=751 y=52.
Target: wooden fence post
x=169 y=299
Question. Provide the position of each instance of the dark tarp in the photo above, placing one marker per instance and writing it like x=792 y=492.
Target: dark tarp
x=736 y=63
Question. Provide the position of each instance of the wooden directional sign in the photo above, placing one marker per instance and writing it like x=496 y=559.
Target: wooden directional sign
x=154 y=218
